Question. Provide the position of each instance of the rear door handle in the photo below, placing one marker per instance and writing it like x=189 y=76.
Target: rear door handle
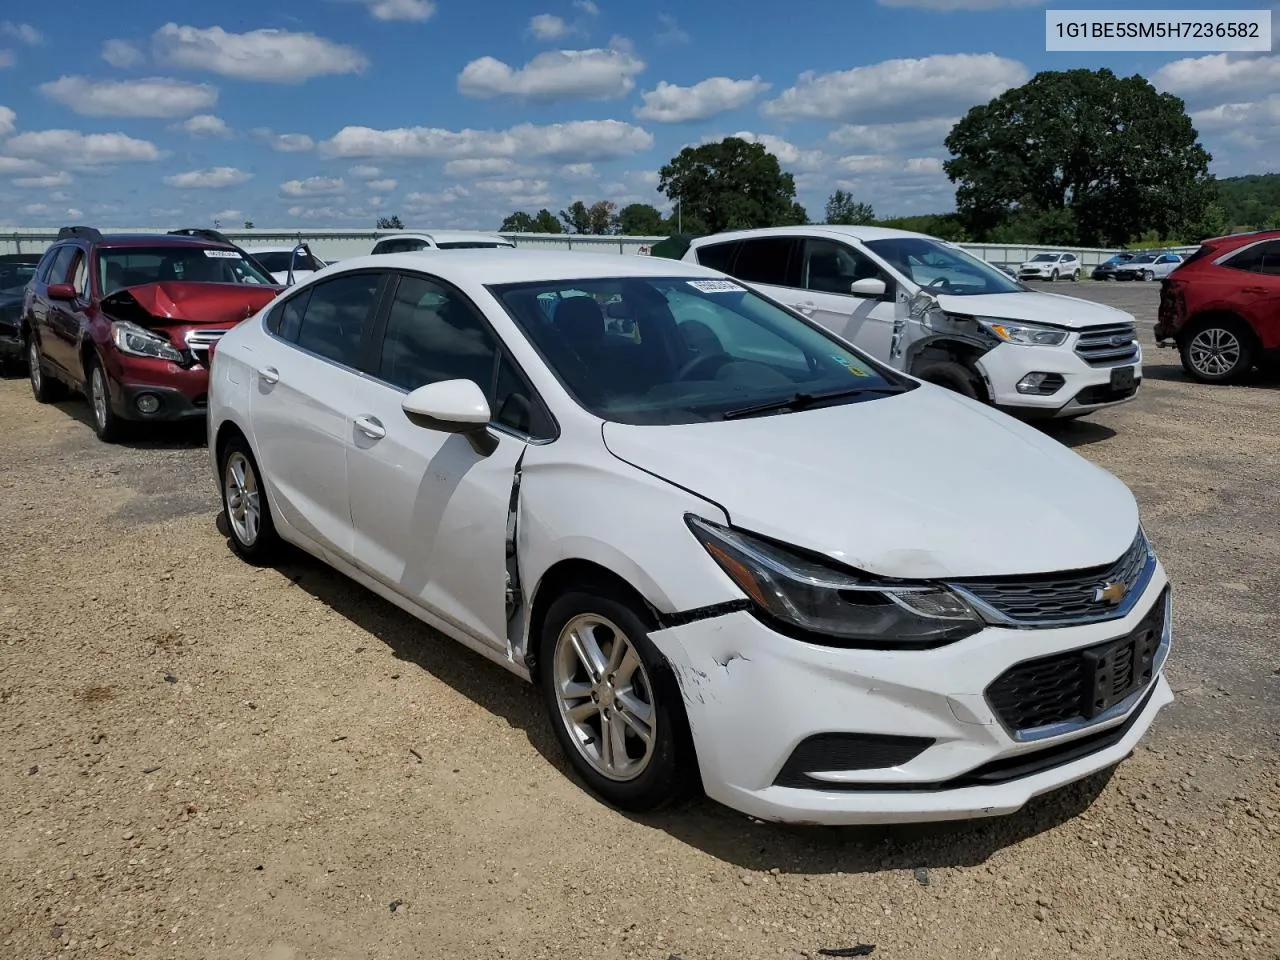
x=371 y=427
x=269 y=375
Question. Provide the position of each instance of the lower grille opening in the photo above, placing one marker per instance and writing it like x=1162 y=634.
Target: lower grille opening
x=1104 y=393
x=830 y=752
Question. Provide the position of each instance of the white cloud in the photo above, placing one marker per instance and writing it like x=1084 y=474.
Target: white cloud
x=578 y=171
x=12 y=165
x=1244 y=126
x=587 y=7
x=670 y=32
x=511 y=187
x=215 y=178
x=788 y=154
x=121 y=54
x=892 y=137
x=228 y=215
x=8 y=120
x=23 y=32
x=547 y=26
x=285 y=142
x=362 y=171
x=59 y=196
x=47 y=182
x=580 y=140
x=76 y=149
x=151 y=97
x=480 y=167
x=312 y=187
x=7 y=59
x=206 y=125
x=418 y=10
x=1219 y=77
x=383 y=186
x=669 y=103
x=423 y=201
x=950 y=5
x=933 y=86
x=596 y=74
x=273 y=56
x=871 y=163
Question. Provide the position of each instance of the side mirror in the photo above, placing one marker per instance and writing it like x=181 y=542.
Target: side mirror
x=868 y=287
x=61 y=291
x=452 y=406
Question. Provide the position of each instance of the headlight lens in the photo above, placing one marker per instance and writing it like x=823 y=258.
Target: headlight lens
x=839 y=607
x=131 y=338
x=1027 y=334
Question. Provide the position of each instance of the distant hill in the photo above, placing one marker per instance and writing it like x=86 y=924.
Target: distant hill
x=1250 y=202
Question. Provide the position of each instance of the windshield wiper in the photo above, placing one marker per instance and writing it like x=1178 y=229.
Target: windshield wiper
x=801 y=400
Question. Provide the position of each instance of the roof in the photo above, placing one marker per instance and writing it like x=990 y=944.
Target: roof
x=156 y=240
x=834 y=230
x=438 y=236
x=272 y=248
x=525 y=266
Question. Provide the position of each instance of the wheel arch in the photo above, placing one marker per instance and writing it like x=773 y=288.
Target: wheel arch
x=952 y=347
x=1205 y=317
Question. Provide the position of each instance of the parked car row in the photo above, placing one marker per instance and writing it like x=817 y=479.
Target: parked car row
x=733 y=549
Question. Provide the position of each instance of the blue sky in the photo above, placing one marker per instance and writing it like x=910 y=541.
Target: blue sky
x=453 y=113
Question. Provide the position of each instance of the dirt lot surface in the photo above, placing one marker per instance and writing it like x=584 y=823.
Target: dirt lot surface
x=202 y=759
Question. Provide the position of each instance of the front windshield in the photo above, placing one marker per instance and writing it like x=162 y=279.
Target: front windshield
x=124 y=267
x=667 y=350
x=14 y=277
x=277 y=261
x=1045 y=258
x=941 y=267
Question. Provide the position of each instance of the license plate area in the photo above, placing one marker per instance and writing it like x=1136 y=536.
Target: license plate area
x=1118 y=670
x=1122 y=378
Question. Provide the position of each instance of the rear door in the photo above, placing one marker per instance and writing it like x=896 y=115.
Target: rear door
x=430 y=511
x=49 y=318
x=301 y=402
x=68 y=319
x=1258 y=294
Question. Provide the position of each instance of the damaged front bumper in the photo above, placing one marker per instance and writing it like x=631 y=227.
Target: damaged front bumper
x=795 y=732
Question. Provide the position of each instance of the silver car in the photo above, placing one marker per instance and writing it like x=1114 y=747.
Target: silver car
x=1149 y=266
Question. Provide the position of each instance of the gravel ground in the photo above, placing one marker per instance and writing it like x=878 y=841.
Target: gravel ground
x=201 y=759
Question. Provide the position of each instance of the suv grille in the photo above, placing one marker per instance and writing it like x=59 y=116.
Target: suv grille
x=1056 y=598
x=1080 y=685
x=1108 y=346
x=200 y=342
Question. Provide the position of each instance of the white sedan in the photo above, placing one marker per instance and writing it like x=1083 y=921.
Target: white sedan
x=732 y=551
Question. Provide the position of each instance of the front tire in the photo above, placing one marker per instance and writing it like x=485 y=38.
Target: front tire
x=106 y=424
x=1218 y=351
x=613 y=702
x=1053 y=276
x=954 y=376
x=43 y=387
x=250 y=528
x=1148 y=275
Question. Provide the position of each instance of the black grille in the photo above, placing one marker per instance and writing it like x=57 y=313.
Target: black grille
x=1062 y=597
x=1108 y=346
x=827 y=752
x=1102 y=393
x=1081 y=684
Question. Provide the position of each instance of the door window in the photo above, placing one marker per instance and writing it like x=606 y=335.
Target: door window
x=830 y=267
x=718 y=256
x=1260 y=258
x=80 y=275
x=332 y=323
x=60 y=265
x=768 y=260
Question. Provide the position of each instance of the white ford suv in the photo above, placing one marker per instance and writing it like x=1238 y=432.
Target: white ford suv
x=927 y=307
x=1051 y=266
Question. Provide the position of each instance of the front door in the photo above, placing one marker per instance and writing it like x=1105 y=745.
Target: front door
x=430 y=508
x=828 y=270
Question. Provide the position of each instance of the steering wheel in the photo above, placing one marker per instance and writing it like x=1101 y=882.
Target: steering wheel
x=699 y=361
x=939 y=282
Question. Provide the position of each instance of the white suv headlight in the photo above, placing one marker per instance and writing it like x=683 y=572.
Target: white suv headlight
x=1026 y=334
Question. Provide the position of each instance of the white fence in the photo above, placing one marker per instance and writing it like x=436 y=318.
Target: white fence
x=343 y=244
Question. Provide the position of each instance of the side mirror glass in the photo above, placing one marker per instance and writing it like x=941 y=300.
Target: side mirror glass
x=868 y=287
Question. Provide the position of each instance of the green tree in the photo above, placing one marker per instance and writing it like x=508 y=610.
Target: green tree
x=248 y=224
x=640 y=220
x=390 y=223
x=602 y=217
x=577 y=218
x=545 y=222
x=518 y=222
x=842 y=208
x=1119 y=156
x=731 y=184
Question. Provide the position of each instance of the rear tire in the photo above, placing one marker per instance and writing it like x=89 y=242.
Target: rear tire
x=596 y=712
x=1075 y=276
x=954 y=376
x=106 y=424
x=1218 y=351
x=250 y=529
x=1148 y=275
x=43 y=387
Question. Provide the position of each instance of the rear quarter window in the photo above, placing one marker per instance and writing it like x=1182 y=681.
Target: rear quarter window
x=717 y=256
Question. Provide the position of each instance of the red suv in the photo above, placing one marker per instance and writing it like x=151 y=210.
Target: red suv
x=1221 y=307
x=130 y=320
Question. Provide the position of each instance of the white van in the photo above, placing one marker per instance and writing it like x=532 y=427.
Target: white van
x=927 y=307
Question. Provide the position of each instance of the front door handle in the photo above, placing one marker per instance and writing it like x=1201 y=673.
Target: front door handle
x=807 y=308
x=371 y=427
x=269 y=375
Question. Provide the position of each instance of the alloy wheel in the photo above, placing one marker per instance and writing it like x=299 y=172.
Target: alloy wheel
x=98 y=394
x=605 y=697
x=33 y=365
x=1214 y=352
x=243 y=499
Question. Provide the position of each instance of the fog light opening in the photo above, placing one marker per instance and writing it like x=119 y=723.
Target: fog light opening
x=1041 y=384
x=147 y=403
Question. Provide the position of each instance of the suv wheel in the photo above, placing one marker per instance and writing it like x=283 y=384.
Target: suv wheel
x=106 y=424
x=43 y=387
x=613 y=701
x=1148 y=275
x=1218 y=351
x=1053 y=276
x=244 y=500
x=1075 y=276
x=954 y=376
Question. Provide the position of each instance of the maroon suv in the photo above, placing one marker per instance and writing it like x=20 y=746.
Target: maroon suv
x=1221 y=307
x=130 y=320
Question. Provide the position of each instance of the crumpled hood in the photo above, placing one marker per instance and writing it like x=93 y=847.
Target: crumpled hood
x=186 y=302
x=925 y=484
x=1035 y=307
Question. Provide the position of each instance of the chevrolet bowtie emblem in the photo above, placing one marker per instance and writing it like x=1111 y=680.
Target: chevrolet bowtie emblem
x=1111 y=592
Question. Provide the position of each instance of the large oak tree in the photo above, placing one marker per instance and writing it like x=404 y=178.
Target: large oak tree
x=730 y=185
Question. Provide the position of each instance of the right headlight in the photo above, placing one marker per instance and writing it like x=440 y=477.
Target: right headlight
x=827 y=604
x=1026 y=334
x=131 y=338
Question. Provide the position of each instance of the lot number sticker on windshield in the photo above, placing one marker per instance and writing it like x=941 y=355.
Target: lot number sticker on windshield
x=716 y=286
x=222 y=254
